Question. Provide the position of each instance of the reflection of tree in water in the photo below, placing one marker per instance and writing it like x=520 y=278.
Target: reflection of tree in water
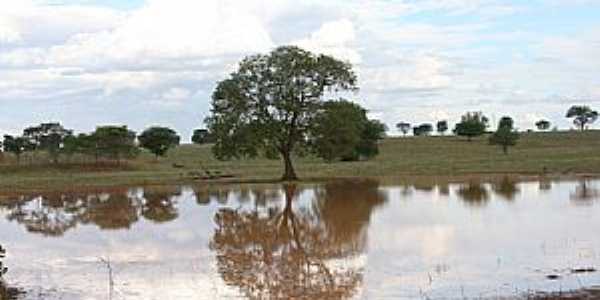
x=506 y=188
x=53 y=214
x=287 y=253
x=159 y=204
x=6 y=292
x=585 y=193
x=474 y=193
x=545 y=184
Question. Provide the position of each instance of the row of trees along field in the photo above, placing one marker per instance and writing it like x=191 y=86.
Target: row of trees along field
x=582 y=116
x=112 y=143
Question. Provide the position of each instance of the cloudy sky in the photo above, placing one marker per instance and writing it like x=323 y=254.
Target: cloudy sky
x=156 y=62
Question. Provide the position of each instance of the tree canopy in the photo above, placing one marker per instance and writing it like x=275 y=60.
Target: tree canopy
x=582 y=115
x=17 y=145
x=342 y=131
x=403 y=127
x=472 y=124
x=542 y=125
x=423 y=129
x=268 y=104
x=202 y=136
x=442 y=127
x=48 y=137
x=158 y=140
x=114 y=142
x=505 y=136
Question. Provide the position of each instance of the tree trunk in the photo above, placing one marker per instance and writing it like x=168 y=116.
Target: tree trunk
x=582 y=126
x=289 y=173
x=505 y=149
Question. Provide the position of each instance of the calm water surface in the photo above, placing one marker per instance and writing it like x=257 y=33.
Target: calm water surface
x=340 y=240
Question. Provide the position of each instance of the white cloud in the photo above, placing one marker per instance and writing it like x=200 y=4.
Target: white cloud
x=334 y=38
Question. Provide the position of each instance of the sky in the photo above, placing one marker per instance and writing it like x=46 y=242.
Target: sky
x=156 y=62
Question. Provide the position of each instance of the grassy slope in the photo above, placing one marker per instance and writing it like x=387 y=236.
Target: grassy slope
x=558 y=152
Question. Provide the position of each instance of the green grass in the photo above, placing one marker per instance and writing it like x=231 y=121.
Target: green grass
x=554 y=152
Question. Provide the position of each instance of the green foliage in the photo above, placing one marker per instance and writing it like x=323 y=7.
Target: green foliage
x=505 y=136
x=158 y=140
x=267 y=106
x=403 y=127
x=113 y=142
x=17 y=145
x=342 y=131
x=472 y=124
x=582 y=116
x=202 y=136
x=542 y=125
x=48 y=137
x=442 y=127
x=424 y=129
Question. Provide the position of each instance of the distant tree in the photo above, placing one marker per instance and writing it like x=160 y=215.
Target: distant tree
x=113 y=142
x=48 y=137
x=542 y=125
x=423 y=129
x=202 y=136
x=582 y=116
x=403 y=127
x=472 y=124
x=442 y=127
x=158 y=140
x=268 y=105
x=505 y=136
x=342 y=131
x=17 y=145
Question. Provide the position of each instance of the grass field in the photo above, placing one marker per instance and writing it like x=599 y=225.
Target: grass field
x=536 y=153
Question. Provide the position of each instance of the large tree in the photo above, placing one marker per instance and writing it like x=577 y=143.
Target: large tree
x=582 y=115
x=158 y=140
x=268 y=104
x=202 y=136
x=342 y=131
x=472 y=124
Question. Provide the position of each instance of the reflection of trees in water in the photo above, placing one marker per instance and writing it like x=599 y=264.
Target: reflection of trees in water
x=585 y=193
x=220 y=194
x=6 y=292
x=474 y=193
x=443 y=189
x=545 y=184
x=159 y=205
x=53 y=214
x=506 y=188
x=287 y=253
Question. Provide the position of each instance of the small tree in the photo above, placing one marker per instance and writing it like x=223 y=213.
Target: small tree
x=267 y=106
x=17 y=145
x=48 y=137
x=403 y=127
x=343 y=131
x=542 y=125
x=472 y=124
x=442 y=127
x=158 y=140
x=202 y=136
x=113 y=142
x=423 y=129
x=505 y=136
x=582 y=115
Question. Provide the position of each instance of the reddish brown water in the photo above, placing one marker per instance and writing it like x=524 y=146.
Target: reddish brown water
x=339 y=240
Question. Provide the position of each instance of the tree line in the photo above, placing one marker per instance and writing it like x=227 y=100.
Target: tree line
x=107 y=143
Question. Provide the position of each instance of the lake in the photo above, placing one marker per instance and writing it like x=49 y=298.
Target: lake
x=345 y=239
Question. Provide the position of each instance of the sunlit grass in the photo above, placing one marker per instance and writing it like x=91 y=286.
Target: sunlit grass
x=536 y=153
